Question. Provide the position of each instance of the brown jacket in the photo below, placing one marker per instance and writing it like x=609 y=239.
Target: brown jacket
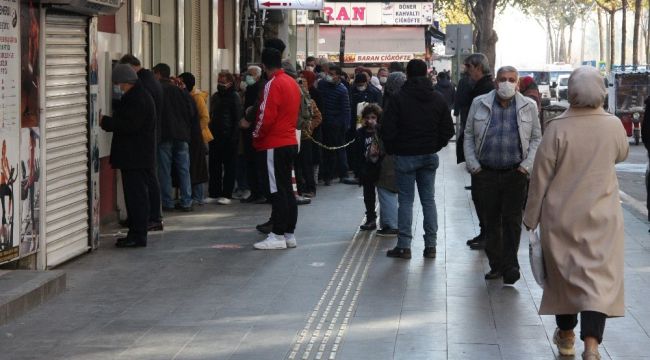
x=573 y=197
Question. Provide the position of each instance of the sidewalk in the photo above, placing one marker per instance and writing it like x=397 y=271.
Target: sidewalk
x=199 y=291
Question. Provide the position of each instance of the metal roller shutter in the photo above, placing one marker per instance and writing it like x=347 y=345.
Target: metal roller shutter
x=66 y=137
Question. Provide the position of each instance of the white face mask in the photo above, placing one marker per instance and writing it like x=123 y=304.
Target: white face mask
x=382 y=80
x=362 y=87
x=507 y=89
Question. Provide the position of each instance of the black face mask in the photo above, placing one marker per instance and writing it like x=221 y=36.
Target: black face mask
x=221 y=88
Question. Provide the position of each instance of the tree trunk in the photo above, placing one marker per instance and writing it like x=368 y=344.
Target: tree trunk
x=601 y=35
x=550 y=38
x=569 y=58
x=623 y=32
x=484 y=12
x=583 y=30
x=635 y=39
x=647 y=38
x=612 y=34
x=562 y=55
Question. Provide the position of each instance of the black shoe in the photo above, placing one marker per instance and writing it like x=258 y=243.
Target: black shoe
x=511 y=276
x=475 y=240
x=429 y=252
x=492 y=275
x=386 y=231
x=398 y=252
x=265 y=228
x=301 y=200
x=477 y=246
x=249 y=200
x=155 y=226
x=369 y=225
x=468 y=188
x=129 y=243
x=184 y=208
x=261 y=200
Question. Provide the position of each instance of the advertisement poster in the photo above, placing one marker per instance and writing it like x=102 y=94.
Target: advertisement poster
x=94 y=133
x=10 y=110
x=30 y=139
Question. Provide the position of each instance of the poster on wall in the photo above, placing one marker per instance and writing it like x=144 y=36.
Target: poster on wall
x=30 y=139
x=94 y=133
x=10 y=110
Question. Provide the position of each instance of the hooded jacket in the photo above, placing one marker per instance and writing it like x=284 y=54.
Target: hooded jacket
x=177 y=113
x=417 y=121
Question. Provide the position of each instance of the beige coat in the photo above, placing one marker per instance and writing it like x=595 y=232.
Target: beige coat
x=573 y=197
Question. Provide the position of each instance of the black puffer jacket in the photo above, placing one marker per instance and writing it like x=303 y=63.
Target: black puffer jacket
x=177 y=113
x=133 y=127
x=417 y=121
x=225 y=113
x=154 y=88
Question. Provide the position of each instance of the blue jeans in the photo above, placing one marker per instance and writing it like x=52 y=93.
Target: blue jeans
x=420 y=169
x=387 y=208
x=198 y=193
x=176 y=152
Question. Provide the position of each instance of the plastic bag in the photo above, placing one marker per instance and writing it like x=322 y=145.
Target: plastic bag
x=535 y=255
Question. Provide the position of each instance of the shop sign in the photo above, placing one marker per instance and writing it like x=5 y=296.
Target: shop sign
x=290 y=4
x=351 y=58
x=389 y=13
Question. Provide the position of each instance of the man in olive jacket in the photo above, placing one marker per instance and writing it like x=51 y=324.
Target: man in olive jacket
x=133 y=125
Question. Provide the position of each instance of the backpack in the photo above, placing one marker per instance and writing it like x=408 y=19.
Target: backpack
x=305 y=114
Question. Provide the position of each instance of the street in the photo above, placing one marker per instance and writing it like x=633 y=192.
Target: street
x=631 y=177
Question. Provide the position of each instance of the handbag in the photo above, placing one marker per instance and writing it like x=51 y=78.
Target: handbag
x=535 y=254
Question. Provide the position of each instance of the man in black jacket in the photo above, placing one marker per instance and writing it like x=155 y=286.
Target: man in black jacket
x=417 y=125
x=174 y=147
x=478 y=68
x=152 y=86
x=133 y=149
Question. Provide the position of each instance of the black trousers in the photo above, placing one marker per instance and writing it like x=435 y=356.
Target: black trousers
x=136 y=197
x=305 y=167
x=284 y=212
x=479 y=213
x=223 y=153
x=592 y=324
x=153 y=189
x=501 y=195
x=335 y=161
x=370 y=200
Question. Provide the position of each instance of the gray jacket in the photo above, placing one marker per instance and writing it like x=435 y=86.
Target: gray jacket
x=478 y=121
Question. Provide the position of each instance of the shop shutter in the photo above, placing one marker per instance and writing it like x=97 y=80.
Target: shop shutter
x=195 y=42
x=66 y=137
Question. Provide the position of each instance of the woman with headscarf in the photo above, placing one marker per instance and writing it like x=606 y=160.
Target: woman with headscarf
x=528 y=88
x=317 y=133
x=573 y=197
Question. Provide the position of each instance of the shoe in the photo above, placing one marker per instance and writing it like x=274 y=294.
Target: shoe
x=309 y=194
x=475 y=240
x=241 y=194
x=591 y=355
x=184 y=208
x=387 y=231
x=369 y=225
x=290 y=239
x=565 y=345
x=468 y=188
x=168 y=209
x=300 y=200
x=224 y=201
x=350 y=181
x=265 y=228
x=398 y=252
x=511 y=276
x=272 y=242
x=261 y=200
x=248 y=200
x=477 y=246
x=128 y=243
x=155 y=226
x=429 y=252
x=493 y=275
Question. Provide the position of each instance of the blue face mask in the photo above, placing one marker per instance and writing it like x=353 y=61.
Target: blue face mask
x=250 y=80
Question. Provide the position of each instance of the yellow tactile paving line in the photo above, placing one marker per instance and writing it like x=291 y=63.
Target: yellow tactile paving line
x=328 y=322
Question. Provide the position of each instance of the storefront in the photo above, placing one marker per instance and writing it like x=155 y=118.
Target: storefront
x=49 y=116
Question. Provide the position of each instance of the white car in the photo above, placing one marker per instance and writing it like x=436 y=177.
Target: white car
x=562 y=87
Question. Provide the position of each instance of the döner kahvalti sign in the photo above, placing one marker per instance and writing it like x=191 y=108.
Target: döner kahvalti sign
x=388 y=13
x=290 y=4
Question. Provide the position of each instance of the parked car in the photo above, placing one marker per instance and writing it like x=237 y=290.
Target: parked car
x=562 y=87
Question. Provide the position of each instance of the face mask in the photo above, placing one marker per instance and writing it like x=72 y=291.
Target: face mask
x=222 y=88
x=362 y=88
x=506 y=89
x=250 y=80
x=383 y=80
x=329 y=79
x=309 y=68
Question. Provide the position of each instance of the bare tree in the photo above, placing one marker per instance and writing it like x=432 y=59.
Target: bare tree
x=623 y=32
x=611 y=7
x=635 y=39
x=601 y=35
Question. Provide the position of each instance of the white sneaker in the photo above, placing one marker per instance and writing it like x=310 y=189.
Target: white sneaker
x=290 y=239
x=245 y=194
x=224 y=201
x=272 y=242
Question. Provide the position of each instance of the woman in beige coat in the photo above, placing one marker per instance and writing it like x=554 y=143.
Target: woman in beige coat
x=573 y=197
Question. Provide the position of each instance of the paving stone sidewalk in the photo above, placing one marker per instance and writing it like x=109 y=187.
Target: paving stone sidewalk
x=199 y=291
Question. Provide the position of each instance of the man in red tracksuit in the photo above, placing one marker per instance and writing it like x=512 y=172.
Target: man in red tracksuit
x=275 y=134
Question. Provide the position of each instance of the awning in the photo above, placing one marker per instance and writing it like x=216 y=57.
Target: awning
x=369 y=44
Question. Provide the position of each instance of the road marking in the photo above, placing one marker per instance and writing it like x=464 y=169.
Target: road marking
x=325 y=328
x=634 y=203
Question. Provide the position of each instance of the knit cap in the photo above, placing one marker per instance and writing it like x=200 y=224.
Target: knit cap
x=124 y=74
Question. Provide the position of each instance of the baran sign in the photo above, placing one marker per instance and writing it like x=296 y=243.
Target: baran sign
x=394 y=13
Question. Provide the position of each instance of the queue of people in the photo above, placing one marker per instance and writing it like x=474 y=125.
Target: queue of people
x=383 y=132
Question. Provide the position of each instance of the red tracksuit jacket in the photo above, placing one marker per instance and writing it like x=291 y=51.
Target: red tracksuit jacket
x=278 y=113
